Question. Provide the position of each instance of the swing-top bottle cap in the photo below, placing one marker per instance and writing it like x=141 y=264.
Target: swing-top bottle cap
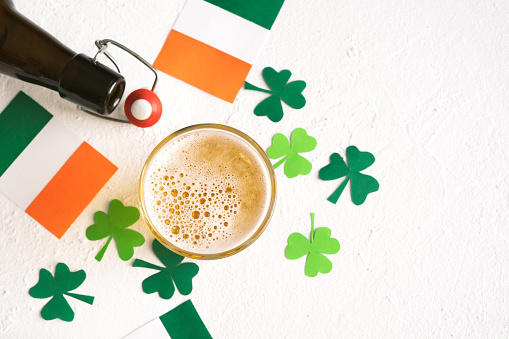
x=91 y=85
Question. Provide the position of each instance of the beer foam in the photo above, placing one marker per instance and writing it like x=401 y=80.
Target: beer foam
x=207 y=191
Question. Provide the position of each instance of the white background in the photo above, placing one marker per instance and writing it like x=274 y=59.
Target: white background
x=423 y=85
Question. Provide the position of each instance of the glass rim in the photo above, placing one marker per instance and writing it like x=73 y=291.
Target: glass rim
x=261 y=228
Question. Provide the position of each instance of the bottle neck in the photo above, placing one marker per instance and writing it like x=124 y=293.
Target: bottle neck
x=91 y=85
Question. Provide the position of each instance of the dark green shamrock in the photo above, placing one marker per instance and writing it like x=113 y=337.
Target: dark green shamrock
x=289 y=92
x=361 y=185
x=170 y=276
x=115 y=226
x=295 y=164
x=64 y=281
x=321 y=242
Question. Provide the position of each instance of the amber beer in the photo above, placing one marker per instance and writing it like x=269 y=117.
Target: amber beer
x=207 y=191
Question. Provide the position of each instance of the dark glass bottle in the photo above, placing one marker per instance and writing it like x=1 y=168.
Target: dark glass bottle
x=29 y=53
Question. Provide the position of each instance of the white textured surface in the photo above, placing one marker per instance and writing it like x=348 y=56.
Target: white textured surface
x=421 y=84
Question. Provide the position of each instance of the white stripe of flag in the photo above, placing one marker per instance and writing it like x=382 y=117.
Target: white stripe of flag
x=222 y=30
x=153 y=330
x=38 y=163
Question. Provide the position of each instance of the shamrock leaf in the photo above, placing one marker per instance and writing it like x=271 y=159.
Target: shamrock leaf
x=174 y=274
x=281 y=90
x=115 y=226
x=321 y=242
x=63 y=282
x=295 y=164
x=361 y=185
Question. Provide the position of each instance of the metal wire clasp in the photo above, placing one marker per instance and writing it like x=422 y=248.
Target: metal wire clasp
x=102 y=45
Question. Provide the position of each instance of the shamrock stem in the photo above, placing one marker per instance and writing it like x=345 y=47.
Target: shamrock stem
x=337 y=193
x=85 y=298
x=312 y=227
x=143 y=263
x=100 y=255
x=248 y=86
x=280 y=162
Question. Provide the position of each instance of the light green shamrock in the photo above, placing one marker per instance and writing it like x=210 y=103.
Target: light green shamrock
x=295 y=164
x=321 y=242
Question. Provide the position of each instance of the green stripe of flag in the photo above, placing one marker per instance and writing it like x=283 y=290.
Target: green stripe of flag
x=261 y=12
x=184 y=322
x=20 y=122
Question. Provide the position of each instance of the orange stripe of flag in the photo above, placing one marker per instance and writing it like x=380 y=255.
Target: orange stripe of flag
x=71 y=190
x=202 y=66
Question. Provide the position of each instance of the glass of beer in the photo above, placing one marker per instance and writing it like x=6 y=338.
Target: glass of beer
x=207 y=191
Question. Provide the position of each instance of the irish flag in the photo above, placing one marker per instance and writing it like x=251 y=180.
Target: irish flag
x=45 y=169
x=183 y=322
x=214 y=43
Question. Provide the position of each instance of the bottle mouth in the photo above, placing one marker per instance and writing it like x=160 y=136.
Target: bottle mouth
x=115 y=97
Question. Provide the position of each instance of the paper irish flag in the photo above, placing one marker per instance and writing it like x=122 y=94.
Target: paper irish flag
x=45 y=169
x=183 y=322
x=214 y=43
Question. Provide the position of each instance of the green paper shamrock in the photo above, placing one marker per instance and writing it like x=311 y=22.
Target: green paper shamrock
x=174 y=274
x=295 y=164
x=289 y=92
x=64 y=281
x=362 y=184
x=321 y=242
x=115 y=226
